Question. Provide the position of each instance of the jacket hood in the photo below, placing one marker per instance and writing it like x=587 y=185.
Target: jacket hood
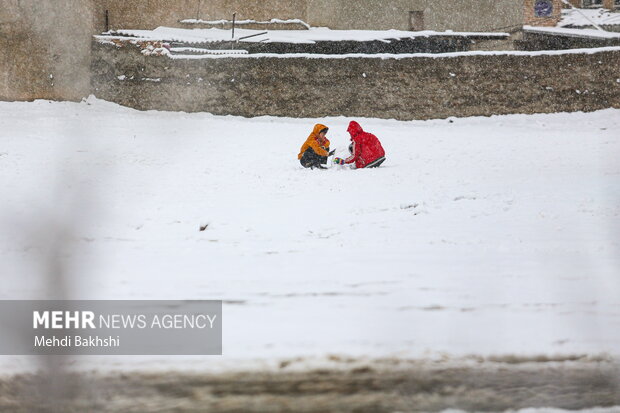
x=318 y=128
x=354 y=128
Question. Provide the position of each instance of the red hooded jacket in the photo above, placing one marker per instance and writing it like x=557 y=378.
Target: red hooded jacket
x=366 y=146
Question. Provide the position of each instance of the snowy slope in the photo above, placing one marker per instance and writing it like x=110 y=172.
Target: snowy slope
x=479 y=236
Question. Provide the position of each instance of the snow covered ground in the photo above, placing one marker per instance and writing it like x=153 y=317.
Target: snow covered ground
x=486 y=236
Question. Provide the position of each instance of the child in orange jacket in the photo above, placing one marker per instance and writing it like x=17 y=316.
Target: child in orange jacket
x=315 y=150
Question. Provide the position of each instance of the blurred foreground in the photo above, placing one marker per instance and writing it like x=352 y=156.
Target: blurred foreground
x=386 y=385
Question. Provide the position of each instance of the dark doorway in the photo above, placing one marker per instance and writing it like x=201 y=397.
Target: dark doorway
x=416 y=21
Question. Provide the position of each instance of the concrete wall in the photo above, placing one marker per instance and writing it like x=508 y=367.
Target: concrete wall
x=148 y=14
x=462 y=15
x=465 y=15
x=410 y=88
x=472 y=15
x=45 y=49
x=354 y=14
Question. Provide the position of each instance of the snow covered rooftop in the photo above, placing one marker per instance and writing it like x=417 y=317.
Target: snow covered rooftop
x=312 y=35
x=563 y=31
x=585 y=17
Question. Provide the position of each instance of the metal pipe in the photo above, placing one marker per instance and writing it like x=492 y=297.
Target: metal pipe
x=252 y=35
x=233 y=25
x=198 y=11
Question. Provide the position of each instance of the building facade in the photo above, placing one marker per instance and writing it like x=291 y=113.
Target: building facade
x=606 y=4
x=439 y=15
x=45 y=46
x=542 y=12
x=462 y=15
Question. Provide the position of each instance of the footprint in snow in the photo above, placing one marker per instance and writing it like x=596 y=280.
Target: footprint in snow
x=462 y=197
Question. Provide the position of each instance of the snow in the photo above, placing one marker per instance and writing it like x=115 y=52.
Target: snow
x=485 y=235
x=587 y=33
x=311 y=35
x=573 y=17
x=247 y=21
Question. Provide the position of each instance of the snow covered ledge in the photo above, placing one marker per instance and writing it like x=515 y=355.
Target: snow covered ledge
x=581 y=33
x=289 y=24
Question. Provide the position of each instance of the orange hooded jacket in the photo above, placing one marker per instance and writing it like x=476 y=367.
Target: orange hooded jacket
x=319 y=147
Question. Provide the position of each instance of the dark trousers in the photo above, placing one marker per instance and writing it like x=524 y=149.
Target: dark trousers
x=376 y=163
x=311 y=159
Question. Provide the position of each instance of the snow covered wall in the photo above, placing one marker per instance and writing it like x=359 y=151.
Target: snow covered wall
x=401 y=87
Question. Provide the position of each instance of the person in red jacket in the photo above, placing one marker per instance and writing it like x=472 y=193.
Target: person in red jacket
x=366 y=150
